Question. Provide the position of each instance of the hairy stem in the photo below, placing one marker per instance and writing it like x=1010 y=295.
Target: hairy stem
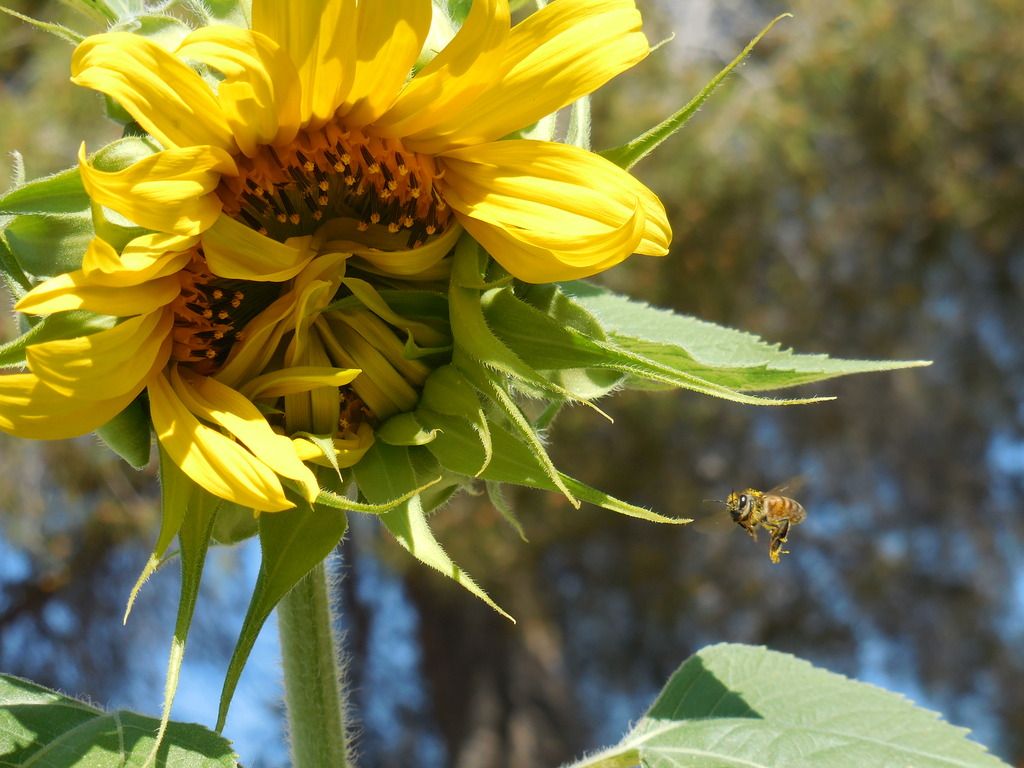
x=312 y=675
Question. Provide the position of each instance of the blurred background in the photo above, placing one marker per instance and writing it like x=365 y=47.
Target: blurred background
x=856 y=189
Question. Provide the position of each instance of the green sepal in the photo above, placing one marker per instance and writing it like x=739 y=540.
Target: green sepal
x=234 y=523
x=128 y=434
x=473 y=339
x=462 y=446
x=166 y=31
x=404 y=429
x=496 y=495
x=14 y=278
x=234 y=12
x=516 y=463
x=196 y=527
x=293 y=542
x=46 y=729
x=61 y=192
x=49 y=245
x=388 y=471
x=631 y=153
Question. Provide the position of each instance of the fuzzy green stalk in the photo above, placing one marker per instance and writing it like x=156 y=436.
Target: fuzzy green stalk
x=313 y=689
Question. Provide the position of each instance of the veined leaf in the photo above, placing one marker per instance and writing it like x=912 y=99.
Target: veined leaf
x=737 y=705
x=723 y=356
x=128 y=434
x=45 y=729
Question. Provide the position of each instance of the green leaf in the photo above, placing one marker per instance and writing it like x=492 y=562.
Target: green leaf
x=46 y=729
x=293 y=542
x=633 y=152
x=736 y=705
x=545 y=343
x=128 y=434
x=14 y=278
x=49 y=245
x=722 y=356
x=60 y=193
x=386 y=472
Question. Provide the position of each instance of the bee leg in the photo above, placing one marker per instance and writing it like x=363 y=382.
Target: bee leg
x=779 y=534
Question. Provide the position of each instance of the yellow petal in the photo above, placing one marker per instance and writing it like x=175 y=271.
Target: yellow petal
x=319 y=38
x=145 y=258
x=214 y=461
x=168 y=99
x=171 y=191
x=233 y=250
x=551 y=212
x=470 y=64
x=343 y=236
x=260 y=93
x=29 y=408
x=291 y=381
x=74 y=290
x=104 y=365
x=219 y=404
x=390 y=36
x=563 y=51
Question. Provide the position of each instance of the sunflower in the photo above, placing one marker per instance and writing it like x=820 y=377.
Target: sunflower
x=289 y=152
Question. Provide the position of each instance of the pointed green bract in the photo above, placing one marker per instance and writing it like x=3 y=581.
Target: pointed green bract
x=738 y=705
x=194 y=535
x=293 y=542
x=387 y=471
x=57 y=30
x=633 y=152
x=46 y=729
x=60 y=325
x=49 y=245
x=61 y=192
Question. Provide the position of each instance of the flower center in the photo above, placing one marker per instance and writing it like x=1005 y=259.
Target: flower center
x=336 y=172
x=210 y=312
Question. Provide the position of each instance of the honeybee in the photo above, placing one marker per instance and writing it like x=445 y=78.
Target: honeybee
x=770 y=510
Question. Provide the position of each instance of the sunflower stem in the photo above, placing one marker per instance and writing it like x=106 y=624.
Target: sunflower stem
x=312 y=675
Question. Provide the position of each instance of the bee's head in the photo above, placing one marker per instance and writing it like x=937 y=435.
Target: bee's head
x=738 y=505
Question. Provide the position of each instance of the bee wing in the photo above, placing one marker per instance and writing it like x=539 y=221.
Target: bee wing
x=712 y=520
x=791 y=486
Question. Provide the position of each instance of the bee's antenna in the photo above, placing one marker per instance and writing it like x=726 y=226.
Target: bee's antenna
x=712 y=501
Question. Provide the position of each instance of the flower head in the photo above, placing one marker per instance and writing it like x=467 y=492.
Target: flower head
x=302 y=172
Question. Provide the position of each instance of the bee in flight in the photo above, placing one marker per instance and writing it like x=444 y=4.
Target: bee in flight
x=770 y=510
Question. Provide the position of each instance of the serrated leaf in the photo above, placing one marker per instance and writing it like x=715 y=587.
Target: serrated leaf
x=388 y=471
x=636 y=150
x=737 y=705
x=293 y=542
x=724 y=356
x=46 y=729
x=60 y=193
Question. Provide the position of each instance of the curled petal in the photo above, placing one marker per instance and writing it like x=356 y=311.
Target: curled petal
x=552 y=212
x=214 y=461
x=293 y=381
x=260 y=93
x=29 y=408
x=320 y=41
x=104 y=365
x=221 y=405
x=169 y=100
x=563 y=51
x=171 y=191
x=390 y=36
x=234 y=250
x=470 y=64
